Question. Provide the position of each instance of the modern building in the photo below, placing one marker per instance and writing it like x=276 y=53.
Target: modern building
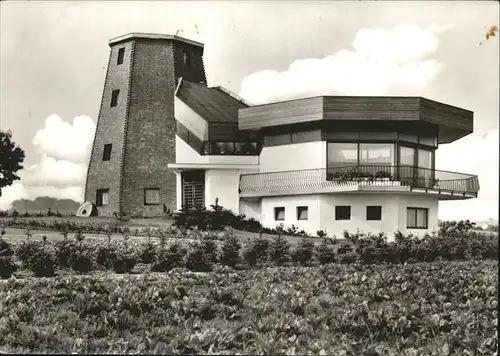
x=330 y=162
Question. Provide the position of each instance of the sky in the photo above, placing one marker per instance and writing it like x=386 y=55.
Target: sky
x=53 y=58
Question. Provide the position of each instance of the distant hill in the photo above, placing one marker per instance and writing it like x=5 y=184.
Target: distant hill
x=42 y=204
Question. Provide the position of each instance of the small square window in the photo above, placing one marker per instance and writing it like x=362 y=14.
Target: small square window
x=342 y=212
x=102 y=196
x=417 y=218
x=106 y=154
x=151 y=196
x=279 y=213
x=114 y=97
x=302 y=212
x=121 y=54
x=373 y=213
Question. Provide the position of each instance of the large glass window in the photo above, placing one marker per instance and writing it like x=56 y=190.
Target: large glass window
x=407 y=156
x=342 y=154
x=376 y=154
x=425 y=158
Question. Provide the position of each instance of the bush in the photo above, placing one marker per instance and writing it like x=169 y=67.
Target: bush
x=197 y=260
x=65 y=251
x=280 y=250
x=230 y=250
x=7 y=265
x=325 y=253
x=322 y=234
x=210 y=249
x=124 y=261
x=105 y=256
x=257 y=251
x=147 y=253
x=167 y=259
x=38 y=258
x=82 y=260
x=303 y=252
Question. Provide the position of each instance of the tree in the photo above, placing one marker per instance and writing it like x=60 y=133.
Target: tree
x=11 y=159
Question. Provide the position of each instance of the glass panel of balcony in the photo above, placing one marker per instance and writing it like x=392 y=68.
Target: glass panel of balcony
x=222 y=148
x=245 y=148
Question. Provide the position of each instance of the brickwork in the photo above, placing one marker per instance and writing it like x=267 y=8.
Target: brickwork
x=142 y=126
x=110 y=129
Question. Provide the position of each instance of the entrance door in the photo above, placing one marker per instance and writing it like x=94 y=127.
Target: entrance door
x=193 y=189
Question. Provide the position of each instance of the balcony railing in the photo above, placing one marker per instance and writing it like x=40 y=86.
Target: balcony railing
x=379 y=175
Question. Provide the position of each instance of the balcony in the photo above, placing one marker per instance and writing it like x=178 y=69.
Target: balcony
x=449 y=185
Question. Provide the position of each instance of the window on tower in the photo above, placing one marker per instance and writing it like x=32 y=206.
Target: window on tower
x=121 y=54
x=106 y=155
x=114 y=97
x=187 y=59
x=102 y=197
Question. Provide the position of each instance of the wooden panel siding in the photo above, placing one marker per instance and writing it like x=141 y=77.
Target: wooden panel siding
x=443 y=114
x=283 y=113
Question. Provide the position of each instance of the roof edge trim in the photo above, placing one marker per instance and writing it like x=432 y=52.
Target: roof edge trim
x=233 y=95
x=154 y=36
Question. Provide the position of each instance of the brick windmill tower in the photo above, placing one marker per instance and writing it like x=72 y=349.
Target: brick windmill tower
x=135 y=135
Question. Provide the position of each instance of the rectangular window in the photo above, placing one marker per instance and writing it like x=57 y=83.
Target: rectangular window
x=376 y=154
x=342 y=212
x=102 y=197
x=121 y=54
x=245 y=148
x=306 y=136
x=373 y=213
x=222 y=148
x=275 y=140
x=106 y=154
x=114 y=98
x=279 y=213
x=302 y=212
x=342 y=154
x=417 y=218
x=151 y=196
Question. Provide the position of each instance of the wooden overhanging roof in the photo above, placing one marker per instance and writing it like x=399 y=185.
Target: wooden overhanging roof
x=453 y=122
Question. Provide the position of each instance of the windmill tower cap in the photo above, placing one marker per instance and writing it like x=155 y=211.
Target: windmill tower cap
x=153 y=36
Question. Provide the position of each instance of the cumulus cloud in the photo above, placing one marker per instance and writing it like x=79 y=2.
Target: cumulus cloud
x=378 y=60
x=474 y=154
x=64 y=150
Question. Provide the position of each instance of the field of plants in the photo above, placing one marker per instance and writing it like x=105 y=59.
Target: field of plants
x=179 y=290
x=441 y=308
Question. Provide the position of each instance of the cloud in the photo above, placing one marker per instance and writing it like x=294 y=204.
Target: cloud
x=64 y=150
x=378 y=60
x=474 y=154
x=64 y=141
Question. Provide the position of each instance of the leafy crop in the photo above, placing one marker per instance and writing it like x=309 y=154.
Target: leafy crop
x=440 y=308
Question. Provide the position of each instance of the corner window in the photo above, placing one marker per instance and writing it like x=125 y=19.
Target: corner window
x=151 y=196
x=342 y=212
x=417 y=218
x=342 y=154
x=114 y=97
x=279 y=213
x=302 y=212
x=102 y=197
x=106 y=155
x=121 y=55
x=373 y=213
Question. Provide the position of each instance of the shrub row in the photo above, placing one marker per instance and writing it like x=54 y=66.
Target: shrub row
x=43 y=258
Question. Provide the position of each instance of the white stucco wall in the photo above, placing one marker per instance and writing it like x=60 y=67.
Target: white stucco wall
x=251 y=208
x=308 y=155
x=222 y=184
x=185 y=154
x=322 y=213
x=291 y=203
x=358 y=203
